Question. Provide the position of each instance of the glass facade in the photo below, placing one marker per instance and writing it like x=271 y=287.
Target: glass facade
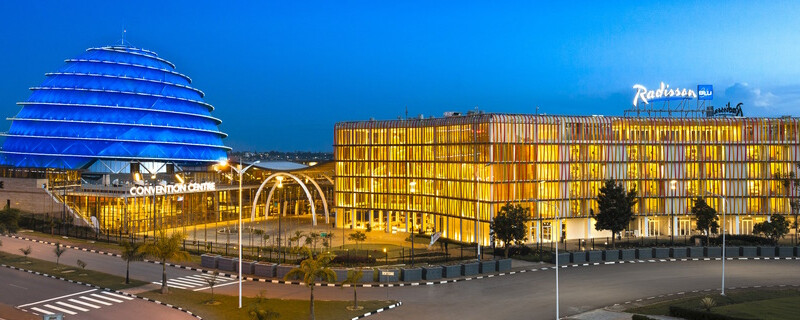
x=113 y=103
x=440 y=173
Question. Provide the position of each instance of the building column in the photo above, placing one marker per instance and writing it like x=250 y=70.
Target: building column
x=352 y=219
x=674 y=225
x=388 y=221
x=588 y=227
x=369 y=216
x=646 y=227
x=737 y=225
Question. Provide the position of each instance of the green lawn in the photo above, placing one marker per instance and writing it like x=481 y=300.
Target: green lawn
x=755 y=304
x=87 y=276
x=777 y=309
x=287 y=309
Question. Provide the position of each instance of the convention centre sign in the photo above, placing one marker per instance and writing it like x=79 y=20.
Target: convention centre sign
x=172 y=189
x=664 y=92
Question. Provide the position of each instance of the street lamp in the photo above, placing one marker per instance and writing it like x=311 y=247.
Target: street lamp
x=240 y=172
x=672 y=184
x=558 y=223
x=724 y=200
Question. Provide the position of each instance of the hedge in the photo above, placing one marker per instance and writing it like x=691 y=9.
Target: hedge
x=693 y=314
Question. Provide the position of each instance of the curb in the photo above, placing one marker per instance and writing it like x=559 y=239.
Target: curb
x=104 y=289
x=399 y=303
x=698 y=291
x=420 y=283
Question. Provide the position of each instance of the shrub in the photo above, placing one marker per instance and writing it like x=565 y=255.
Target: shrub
x=641 y=317
x=736 y=240
x=693 y=314
x=352 y=260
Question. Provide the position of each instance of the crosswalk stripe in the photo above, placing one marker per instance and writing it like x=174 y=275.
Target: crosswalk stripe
x=219 y=277
x=71 y=306
x=118 y=296
x=84 y=303
x=42 y=311
x=50 y=306
x=200 y=280
x=95 y=301
x=170 y=284
x=107 y=298
x=184 y=282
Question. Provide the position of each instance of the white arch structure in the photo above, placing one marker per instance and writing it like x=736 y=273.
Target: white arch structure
x=303 y=185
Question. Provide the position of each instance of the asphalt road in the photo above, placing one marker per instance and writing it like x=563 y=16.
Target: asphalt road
x=531 y=295
x=42 y=295
x=112 y=265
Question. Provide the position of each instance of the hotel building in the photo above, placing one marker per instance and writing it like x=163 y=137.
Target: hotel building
x=453 y=174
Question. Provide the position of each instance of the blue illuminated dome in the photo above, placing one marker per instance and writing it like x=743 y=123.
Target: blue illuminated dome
x=113 y=103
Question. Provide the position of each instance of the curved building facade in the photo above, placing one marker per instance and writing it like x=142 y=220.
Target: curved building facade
x=115 y=103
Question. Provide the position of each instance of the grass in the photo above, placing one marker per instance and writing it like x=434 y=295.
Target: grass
x=755 y=304
x=287 y=309
x=76 y=274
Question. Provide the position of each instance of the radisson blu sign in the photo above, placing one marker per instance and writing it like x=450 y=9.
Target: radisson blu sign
x=664 y=93
x=172 y=189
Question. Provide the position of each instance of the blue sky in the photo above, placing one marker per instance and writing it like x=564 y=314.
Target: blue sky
x=280 y=74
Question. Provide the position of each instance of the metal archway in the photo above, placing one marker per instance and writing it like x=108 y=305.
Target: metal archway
x=300 y=182
x=321 y=195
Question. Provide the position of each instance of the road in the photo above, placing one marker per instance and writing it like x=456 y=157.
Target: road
x=42 y=295
x=528 y=295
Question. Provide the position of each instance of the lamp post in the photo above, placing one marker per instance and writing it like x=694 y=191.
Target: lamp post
x=672 y=185
x=724 y=200
x=240 y=172
x=558 y=222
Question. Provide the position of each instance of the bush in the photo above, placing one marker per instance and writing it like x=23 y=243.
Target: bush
x=641 y=317
x=692 y=314
x=735 y=240
x=352 y=260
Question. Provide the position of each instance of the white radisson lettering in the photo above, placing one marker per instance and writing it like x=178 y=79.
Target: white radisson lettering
x=663 y=92
x=172 y=189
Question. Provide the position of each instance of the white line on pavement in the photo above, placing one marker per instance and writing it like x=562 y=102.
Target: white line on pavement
x=50 y=306
x=118 y=296
x=84 y=303
x=107 y=298
x=222 y=285
x=96 y=301
x=71 y=306
x=56 y=298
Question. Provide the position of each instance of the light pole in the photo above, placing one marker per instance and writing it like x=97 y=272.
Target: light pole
x=558 y=223
x=672 y=185
x=724 y=201
x=240 y=172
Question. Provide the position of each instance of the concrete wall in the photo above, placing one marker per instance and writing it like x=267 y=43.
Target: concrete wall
x=27 y=195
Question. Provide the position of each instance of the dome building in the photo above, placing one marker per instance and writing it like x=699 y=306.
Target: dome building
x=110 y=109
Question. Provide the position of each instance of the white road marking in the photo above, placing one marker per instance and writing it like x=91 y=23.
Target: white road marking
x=95 y=301
x=42 y=311
x=222 y=285
x=50 y=306
x=107 y=298
x=84 y=303
x=56 y=298
x=71 y=306
x=118 y=296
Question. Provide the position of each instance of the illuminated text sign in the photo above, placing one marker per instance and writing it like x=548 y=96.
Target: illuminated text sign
x=172 y=189
x=664 y=92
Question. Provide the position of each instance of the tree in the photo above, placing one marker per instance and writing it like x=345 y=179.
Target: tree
x=509 y=225
x=131 y=251
x=774 y=229
x=353 y=279
x=357 y=237
x=212 y=281
x=297 y=236
x=26 y=251
x=615 y=207
x=81 y=264
x=311 y=239
x=706 y=217
x=59 y=250
x=259 y=310
x=791 y=187
x=165 y=248
x=310 y=270
x=9 y=220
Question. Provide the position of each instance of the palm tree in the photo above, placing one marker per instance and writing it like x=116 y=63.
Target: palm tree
x=353 y=279
x=131 y=251
x=59 y=250
x=310 y=270
x=165 y=248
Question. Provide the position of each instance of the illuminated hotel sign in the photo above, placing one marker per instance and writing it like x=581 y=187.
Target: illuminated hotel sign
x=705 y=92
x=663 y=93
x=172 y=189
x=727 y=110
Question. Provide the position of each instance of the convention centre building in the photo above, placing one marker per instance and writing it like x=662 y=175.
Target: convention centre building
x=118 y=140
x=452 y=174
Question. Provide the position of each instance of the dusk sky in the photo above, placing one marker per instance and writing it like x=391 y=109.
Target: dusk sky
x=280 y=74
